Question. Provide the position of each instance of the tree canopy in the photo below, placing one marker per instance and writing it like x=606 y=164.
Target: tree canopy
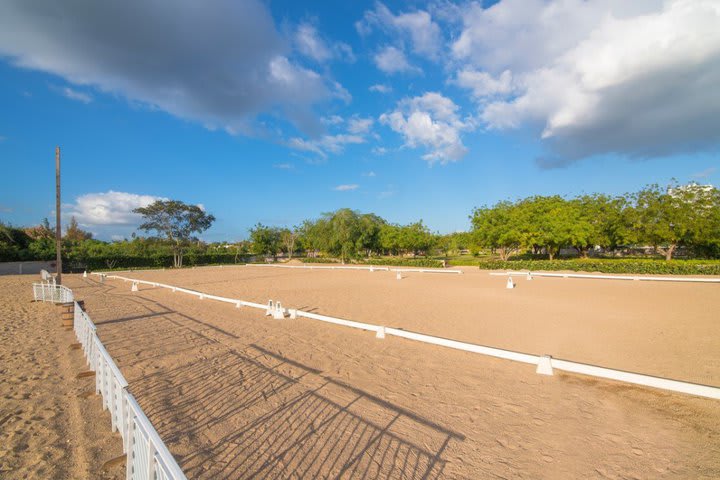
x=176 y=221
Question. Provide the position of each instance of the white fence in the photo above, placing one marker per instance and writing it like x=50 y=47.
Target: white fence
x=545 y=364
x=609 y=277
x=147 y=457
x=370 y=268
x=49 y=292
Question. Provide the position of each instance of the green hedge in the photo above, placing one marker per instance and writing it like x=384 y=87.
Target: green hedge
x=154 y=261
x=393 y=262
x=634 y=266
x=406 y=262
x=318 y=260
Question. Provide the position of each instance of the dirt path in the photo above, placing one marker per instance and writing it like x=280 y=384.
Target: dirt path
x=235 y=394
x=47 y=429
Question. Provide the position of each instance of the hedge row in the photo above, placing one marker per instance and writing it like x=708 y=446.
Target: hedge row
x=393 y=262
x=661 y=267
x=154 y=261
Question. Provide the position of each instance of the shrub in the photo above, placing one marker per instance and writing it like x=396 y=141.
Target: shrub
x=629 y=266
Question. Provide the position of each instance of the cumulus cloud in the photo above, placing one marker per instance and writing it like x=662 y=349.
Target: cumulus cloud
x=346 y=188
x=312 y=45
x=109 y=208
x=380 y=88
x=483 y=84
x=354 y=132
x=392 y=60
x=431 y=121
x=417 y=27
x=76 y=95
x=359 y=125
x=326 y=143
x=220 y=65
x=369 y=174
x=633 y=78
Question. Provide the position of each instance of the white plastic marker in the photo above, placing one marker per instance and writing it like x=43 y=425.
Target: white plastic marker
x=510 y=283
x=134 y=287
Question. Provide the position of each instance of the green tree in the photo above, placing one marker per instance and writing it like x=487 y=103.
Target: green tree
x=265 y=240
x=176 y=221
x=344 y=231
x=498 y=228
x=669 y=218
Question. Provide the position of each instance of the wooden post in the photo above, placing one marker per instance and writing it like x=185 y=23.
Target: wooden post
x=58 y=226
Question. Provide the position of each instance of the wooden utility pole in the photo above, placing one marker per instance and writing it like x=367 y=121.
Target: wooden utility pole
x=58 y=226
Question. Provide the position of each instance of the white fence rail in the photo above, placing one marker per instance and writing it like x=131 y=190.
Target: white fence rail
x=370 y=268
x=147 y=456
x=49 y=292
x=545 y=364
x=609 y=277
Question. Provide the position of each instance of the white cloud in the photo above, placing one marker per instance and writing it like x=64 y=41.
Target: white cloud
x=379 y=150
x=284 y=166
x=332 y=120
x=482 y=84
x=220 y=66
x=109 y=208
x=359 y=125
x=346 y=188
x=705 y=173
x=392 y=60
x=634 y=78
x=418 y=27
x=76 y=95
x=430 y=121
x=369 y=174
x=326 y=144
x=310 y=44
x=380 y=88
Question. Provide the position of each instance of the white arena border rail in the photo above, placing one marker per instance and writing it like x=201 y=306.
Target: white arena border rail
x=370 y=268
x=545 y=363
x=50 y=292
x=608 y=277
x=147 y=457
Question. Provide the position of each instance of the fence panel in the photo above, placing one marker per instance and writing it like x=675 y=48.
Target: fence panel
x=147 y=456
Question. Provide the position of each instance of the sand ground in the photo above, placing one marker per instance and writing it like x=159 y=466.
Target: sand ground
x=48 y=427
x=238 y=395
x=665 y=329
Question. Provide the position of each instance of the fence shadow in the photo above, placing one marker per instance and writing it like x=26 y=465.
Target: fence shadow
x=258 y=414
x=244 y=411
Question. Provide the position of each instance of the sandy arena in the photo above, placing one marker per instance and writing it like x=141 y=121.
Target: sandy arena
x=235 y=394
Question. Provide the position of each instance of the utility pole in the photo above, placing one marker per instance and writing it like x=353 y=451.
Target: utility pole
x=58 y=226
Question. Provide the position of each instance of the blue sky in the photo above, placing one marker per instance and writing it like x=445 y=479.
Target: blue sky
x=274 y=111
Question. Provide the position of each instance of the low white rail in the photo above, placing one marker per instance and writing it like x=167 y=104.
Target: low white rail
x=545 y=364
x=370 y=268
x=609 y=277
x=49 y=292
x=147 y=457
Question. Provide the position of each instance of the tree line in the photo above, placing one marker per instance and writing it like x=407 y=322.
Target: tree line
x=664 y=219
x=345 y=234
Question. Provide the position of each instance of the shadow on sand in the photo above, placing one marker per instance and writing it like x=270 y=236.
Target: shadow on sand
x=245 y=411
